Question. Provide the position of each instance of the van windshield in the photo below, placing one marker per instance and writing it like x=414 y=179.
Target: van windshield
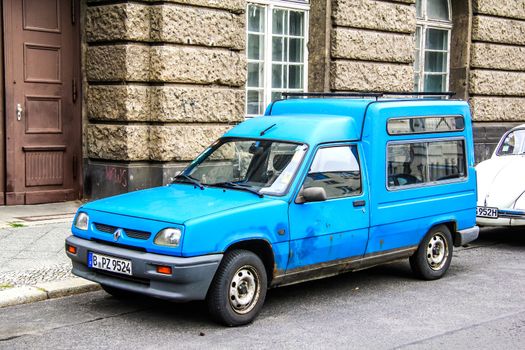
x=514 y=143
x=262 y=166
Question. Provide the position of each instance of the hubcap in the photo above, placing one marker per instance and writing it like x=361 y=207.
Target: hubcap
x=244 y=289
x=437 y=252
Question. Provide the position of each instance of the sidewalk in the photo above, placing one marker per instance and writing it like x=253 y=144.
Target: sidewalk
x=33 y=264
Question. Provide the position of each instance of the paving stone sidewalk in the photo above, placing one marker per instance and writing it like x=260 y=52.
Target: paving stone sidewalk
x=32 y=243
x=34 y=254
x=33 y=262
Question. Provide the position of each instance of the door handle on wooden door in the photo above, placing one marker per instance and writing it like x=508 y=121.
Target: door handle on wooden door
x=19 y=111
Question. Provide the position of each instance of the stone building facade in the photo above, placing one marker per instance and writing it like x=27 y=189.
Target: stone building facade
x=164 y=79
x=120 y=95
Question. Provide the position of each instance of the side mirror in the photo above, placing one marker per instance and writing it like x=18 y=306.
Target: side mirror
x=311 y=194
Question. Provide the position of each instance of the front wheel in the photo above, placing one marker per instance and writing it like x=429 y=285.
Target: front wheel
x=433 y=256
x=238 y=289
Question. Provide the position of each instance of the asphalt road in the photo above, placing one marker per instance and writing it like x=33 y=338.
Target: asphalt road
x=479 y=304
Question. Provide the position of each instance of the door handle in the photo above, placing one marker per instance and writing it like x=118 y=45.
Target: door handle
x=19 y=111
x=360 y=203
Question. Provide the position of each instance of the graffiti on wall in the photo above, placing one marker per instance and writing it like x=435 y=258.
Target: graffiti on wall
x=117 y=176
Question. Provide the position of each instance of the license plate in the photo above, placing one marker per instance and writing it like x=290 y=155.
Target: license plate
x=109 y=263
x=487 y=212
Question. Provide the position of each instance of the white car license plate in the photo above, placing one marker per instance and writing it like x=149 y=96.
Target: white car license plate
x=487 y=212
x=109 y=263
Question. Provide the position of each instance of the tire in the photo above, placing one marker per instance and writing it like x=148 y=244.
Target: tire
x=118 y=293
x=238 y=290
x=434 y=254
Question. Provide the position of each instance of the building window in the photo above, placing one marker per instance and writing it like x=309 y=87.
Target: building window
x=431 y=66
x=277 y=33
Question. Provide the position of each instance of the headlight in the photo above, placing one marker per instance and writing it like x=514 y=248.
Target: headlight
x=82 y=221
x=168 y=237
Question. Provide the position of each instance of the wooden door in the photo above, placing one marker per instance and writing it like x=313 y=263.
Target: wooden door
x=43 y=121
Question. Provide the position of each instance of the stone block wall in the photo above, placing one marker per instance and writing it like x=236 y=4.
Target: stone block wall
x=370 y=45
x=497 y=70
x=164 y=79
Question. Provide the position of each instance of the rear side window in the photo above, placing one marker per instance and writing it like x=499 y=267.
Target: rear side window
x=422 y=125
x=336 y=169
x=421 y=163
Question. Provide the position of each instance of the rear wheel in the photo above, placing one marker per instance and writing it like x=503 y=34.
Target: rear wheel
x=433 y=256
x=238 y=289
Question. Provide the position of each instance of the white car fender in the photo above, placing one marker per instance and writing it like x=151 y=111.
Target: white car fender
x=501 y=181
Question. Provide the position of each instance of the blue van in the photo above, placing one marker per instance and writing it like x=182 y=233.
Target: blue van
x=316 y=187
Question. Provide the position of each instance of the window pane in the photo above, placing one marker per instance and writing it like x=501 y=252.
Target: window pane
x=418 y=125
x=255 y=47
x=296 y=50
x=277 y=49
x=254 y=102
x=514 y=143
x=279 y=21
x=255 y=75
x=438 y=9
x=446 y=160
x=276 y=95
x=416 y=82
x=418 y=37
x=295 y=77
x=277 y=76
x=285 y=51
x=437 y=39
x=256 y=18
x=417 y=163
x=296 y=23
x=435 y=83
x=436 y=62
x=407 y=164
x=416 y=61
x=419 y=9
x=336 y=169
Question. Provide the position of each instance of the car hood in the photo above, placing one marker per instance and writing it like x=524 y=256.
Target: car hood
x=501 y=181
x=175 y=203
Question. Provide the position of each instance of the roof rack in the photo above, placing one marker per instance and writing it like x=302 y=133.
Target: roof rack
x=376 y=95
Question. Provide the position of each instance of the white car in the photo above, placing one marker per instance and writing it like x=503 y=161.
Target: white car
x=501 y=182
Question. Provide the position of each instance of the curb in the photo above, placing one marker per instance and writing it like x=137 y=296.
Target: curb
x=26 y=224
x=44 y=291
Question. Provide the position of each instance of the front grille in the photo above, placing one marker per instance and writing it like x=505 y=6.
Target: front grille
x=105 y=228
x=129 y=232
x=137 y=234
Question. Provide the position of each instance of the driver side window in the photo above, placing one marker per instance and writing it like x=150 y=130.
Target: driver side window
x=336 y=169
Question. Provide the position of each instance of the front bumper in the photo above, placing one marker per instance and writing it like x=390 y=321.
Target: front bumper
x=190 y=278
x=466 y=236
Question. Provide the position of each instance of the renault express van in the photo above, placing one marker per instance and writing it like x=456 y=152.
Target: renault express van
x=314 y=188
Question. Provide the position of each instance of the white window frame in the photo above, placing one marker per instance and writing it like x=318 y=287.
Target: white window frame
x=424 y=23
x=267 y=63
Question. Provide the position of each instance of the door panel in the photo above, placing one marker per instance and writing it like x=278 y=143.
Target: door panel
x=43 y=120
x=334 y=229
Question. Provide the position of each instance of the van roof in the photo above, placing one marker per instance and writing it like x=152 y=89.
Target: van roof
x=319 y=120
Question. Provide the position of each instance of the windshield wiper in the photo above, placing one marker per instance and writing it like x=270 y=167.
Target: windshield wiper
x=233 y=185
x=189 y=179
